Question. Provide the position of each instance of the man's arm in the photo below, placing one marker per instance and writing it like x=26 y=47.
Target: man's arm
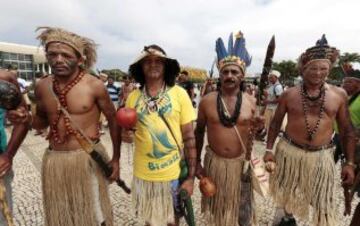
x=189 y=148
x=18 y=134
x=346 y=130
x=106 y=106
x=348 y=137
x=199 y=135
x=276 y=122
x=190 y=156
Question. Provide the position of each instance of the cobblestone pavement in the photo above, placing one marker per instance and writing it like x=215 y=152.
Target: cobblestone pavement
x=28 y=199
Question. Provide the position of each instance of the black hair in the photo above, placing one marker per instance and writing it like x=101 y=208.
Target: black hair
x=172 y=69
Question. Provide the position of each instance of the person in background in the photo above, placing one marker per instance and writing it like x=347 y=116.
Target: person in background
x=114 y=91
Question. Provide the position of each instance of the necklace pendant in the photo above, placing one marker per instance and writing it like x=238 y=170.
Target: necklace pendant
x=151 y=104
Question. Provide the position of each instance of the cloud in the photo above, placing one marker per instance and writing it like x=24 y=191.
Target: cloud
x=187 y=29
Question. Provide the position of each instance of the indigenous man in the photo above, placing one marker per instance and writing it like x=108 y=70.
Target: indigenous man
x=225 y=156
x=74 y=188
x=351 y=84
x=20 y=118
x=165 y=115
x=305 y=169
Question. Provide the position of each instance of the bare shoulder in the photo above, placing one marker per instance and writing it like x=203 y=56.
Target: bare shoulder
x=43 y=83
x=336 y=90
x=95 y=83
x=291 y=91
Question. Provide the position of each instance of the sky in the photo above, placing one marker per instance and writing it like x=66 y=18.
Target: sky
x=187 y=29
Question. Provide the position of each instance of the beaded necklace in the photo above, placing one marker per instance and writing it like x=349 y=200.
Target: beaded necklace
x=225 y=118
x=304 y=97
x=312 y=98
x=61 y=93
x=153 y=102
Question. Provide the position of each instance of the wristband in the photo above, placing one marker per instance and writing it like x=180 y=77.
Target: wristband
x=270 y=150
x=350 y=163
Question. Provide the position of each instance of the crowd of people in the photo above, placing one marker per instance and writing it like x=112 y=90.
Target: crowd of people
x=167 y=140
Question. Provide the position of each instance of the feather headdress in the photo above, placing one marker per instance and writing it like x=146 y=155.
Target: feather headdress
x=321 y=51
x=84 y=46
x=236 y=54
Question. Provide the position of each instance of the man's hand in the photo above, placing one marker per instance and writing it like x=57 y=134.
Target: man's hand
x=115 y=166
x=5 y=164
x=269 y=156
x=347 y=175
x=18 y=116
x=199 y=172
x=188 y=186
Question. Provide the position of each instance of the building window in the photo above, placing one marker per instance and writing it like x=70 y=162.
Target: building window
x=23 y=61
x=5 y=56
x=22 y=66
x=13 y=56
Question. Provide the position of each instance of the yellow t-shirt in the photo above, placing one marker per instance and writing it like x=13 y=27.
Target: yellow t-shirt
x=156 y=156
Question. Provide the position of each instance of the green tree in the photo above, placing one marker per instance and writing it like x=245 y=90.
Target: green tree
x=288 y=70
x=349 y=58
x=345 y=61
x=117 y=74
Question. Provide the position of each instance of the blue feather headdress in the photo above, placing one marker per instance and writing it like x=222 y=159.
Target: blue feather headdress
x=321 y=51
x=236 y=54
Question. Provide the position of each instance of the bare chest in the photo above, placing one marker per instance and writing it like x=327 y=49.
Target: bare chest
x=215 y=113
x=77 y=101
x=298 y=106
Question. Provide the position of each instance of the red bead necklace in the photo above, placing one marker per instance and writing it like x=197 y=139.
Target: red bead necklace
x=61 y=93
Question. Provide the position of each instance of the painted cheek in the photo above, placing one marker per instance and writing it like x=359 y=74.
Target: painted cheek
x=71 y=63
x=52 y=61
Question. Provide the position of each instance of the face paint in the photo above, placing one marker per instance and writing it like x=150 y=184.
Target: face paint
x=63 y=59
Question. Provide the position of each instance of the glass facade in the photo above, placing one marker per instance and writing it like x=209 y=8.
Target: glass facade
x=24 y=63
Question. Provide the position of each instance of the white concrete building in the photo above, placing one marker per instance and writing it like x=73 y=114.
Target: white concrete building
x=29 y=59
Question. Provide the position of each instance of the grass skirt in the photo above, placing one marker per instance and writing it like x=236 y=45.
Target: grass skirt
x=69 y=179
x=303 y=179
x=153 y=201
x=223 y=208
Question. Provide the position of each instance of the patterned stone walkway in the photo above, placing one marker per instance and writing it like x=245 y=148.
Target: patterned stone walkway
x=28 y=199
